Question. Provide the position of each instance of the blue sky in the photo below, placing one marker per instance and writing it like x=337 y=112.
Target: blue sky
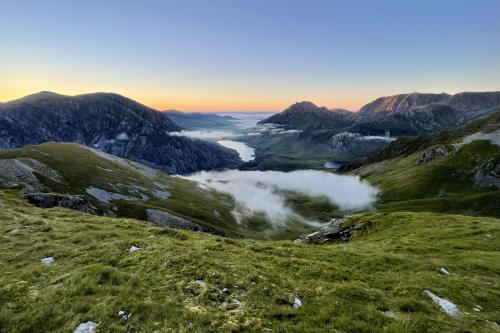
x=249 y=55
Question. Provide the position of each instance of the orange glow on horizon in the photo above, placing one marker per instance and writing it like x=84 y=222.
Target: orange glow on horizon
x=197 y=103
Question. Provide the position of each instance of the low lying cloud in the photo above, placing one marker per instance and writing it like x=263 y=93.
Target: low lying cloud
x=262 y=191
x=205 y=134
x=272 y=129
x=244 y=120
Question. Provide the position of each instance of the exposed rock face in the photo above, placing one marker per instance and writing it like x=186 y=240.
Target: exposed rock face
x=20 y=173
x=404 y=114
x=111 y=123
x=432 y=154
x=50 y=200
x=167 y=220
x=402 y=102
x=334 y=231
x=487 y=173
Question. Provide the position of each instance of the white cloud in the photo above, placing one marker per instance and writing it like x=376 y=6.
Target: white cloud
x=273 y=129
x=205 y=134
x=261 y=191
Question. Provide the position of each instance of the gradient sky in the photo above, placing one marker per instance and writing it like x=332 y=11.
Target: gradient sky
x=249 y=55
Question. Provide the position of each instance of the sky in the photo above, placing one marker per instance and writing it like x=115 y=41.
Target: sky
x=250 y=55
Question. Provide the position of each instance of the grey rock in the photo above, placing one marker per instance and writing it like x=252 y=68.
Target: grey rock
x=50 y=200
x=332 y=232
x=168 y=220
x=133 y=249
x=88 y=327
x=48 y=261
x=20 y=173
x=297 y=303
x=447 y=306
x=487 y=173
x=444 y=271
x=432 y=154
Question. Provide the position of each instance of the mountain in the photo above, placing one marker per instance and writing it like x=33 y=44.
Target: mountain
x=403 y=114
x=307 y=116
x=200 y=121
x=111 y=123
x=469 y=104
x=318 y=135
x=457 y=170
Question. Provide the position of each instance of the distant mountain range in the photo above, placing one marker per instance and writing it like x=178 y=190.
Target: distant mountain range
x=111 y=123
x=404 y=114
x=342 y=135
x=200 y=121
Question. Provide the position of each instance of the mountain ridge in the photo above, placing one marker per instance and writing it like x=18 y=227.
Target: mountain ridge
x=112 y=123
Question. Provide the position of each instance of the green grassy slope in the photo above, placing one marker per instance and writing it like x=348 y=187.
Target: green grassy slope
x=82 y=168
x=287 y=152
x=446 y=185
x=343 y=287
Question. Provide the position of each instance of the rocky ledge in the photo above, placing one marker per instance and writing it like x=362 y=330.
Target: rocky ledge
x=167 y=220
x=334 y=231
x=50 y=200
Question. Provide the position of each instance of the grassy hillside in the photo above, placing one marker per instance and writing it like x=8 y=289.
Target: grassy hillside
x=343 y=287
x=310 y=150
x=74 y=169
x=451 y=184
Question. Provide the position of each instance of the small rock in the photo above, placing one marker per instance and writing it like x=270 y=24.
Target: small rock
x=297 y=303
x=237 y=302
x=200 y=282
x=88 y=327
x=48 y=261
x=123 y=315
x=225 y=291
x=444 y=271
x=133 y=249
x=445 y=305
x=388 y=313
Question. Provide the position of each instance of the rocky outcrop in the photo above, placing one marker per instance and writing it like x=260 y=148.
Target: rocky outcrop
x=487 y=173
x=113 y=124
x=21 y=173
x=334 y=231
x=168 y=220
x=400 y=103
x=432 y=154
x=50 y=200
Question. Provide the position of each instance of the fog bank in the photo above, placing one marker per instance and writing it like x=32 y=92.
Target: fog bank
x=260 y=191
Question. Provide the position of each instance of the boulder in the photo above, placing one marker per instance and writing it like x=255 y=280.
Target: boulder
x=331 y=232
x=432 y=154
x=88 y=327
x=487 y=173
x=50 y=200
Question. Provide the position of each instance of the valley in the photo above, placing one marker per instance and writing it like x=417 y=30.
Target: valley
x=95 y=225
